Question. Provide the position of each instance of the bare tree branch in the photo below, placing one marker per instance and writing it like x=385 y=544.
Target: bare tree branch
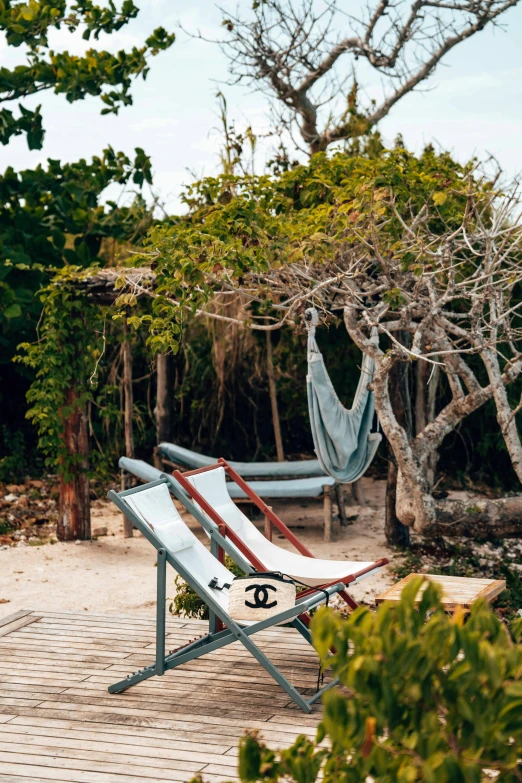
x=291 y=49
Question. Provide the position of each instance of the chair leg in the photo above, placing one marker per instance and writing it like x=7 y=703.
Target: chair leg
x=339 y=495
x=214 y=623
x=327 y=514
x=358 y=493
x=274 y=672
x=161 y=598
x=127 y=524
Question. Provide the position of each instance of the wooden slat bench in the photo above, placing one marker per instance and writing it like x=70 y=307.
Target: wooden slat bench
x=456 y=590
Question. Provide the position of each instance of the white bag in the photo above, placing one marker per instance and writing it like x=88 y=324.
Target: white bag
x=258 y=596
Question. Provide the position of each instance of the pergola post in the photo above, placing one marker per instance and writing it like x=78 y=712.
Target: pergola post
x=128 y=414
x=273 y=399
x=74 y=522
x=162 y=410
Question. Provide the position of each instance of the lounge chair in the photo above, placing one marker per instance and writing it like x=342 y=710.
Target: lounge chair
x=152 y=511
x=208 y=489
x=315 y=487
x=186 y=458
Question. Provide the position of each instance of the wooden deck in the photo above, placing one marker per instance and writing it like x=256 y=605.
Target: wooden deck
x=59 y=723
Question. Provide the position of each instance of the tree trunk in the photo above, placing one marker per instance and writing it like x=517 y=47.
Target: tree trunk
x=162 y=411
x=478 y=518
x=74 y=521
x=396 y=533
x=128 y=412
x=273 y=399
x=426 y=383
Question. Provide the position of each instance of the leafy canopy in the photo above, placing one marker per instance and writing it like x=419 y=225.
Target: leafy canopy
x=313 y=212
x=97 y=72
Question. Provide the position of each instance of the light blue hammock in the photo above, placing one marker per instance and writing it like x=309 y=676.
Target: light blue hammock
x=343 y=440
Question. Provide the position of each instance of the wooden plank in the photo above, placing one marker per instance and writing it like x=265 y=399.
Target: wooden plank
x=194 y=706
x=119 y=719
x=24 y=661
x=10 y=618
x=151 y=693
x=192 y=716
x=18 y=687
x=457 y=590
x=164 y=701
x=147 y=754
x=119 y=735
x=14 y=625
x=16 y=771
x=93 y=762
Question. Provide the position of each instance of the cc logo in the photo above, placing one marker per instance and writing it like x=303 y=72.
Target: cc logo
x=261 y=597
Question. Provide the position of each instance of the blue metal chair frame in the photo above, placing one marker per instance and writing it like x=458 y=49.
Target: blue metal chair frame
x=231 y=631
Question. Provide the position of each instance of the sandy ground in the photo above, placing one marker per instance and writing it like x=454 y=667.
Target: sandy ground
x=117 y=574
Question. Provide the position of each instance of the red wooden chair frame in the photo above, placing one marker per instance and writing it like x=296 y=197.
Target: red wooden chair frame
x=181 y=478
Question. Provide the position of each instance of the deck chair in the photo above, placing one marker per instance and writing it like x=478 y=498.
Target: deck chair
x=207 y=489
x=151 y=509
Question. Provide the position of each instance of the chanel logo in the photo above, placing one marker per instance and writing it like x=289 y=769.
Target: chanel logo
x=261 y=597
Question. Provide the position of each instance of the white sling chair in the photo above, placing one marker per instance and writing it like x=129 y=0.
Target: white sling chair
x=240 y=538
x=151 y=509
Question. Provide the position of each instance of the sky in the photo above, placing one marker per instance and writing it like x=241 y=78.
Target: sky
x=472 y=107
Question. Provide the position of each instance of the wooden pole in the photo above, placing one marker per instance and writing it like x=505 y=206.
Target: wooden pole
x=268 y=527
x=327 y=500
x=74 y=522
x=339 y=496
x=128 y=412
x=162 y=411
x=358 y=493
x=273 y=399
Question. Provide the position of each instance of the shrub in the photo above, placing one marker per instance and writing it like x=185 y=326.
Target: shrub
x=187 y=603
x=426 y=697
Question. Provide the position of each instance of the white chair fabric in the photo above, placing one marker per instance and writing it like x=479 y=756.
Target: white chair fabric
x=155 y=507
x=213 y=487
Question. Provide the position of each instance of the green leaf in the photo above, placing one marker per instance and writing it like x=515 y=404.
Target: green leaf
x=440 y=198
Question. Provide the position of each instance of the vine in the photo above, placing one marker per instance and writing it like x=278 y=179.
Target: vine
x=64 y=357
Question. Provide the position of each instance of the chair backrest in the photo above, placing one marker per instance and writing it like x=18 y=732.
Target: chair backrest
x=212 y=486
x=153 y=506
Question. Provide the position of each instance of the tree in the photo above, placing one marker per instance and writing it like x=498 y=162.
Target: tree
x=306 y=56
x=423 y=247
x=52 y=216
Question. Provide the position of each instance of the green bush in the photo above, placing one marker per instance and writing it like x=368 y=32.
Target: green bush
x=426 y=697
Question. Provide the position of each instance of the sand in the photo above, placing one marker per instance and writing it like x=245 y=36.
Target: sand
x=117 y=574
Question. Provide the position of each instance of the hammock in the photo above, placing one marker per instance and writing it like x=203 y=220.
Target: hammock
x=343 y=440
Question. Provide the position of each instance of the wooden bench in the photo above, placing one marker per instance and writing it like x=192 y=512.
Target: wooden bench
x=456 y=590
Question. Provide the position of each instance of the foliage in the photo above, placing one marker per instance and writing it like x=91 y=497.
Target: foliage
x=50 y=216
x=97 y=72
x=14 y=465
x=63 y=357
x=238 y=225
x=429 y=698
x=53 y=215
x=187 y=603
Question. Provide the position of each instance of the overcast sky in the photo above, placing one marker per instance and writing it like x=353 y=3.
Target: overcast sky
x=473 y=106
